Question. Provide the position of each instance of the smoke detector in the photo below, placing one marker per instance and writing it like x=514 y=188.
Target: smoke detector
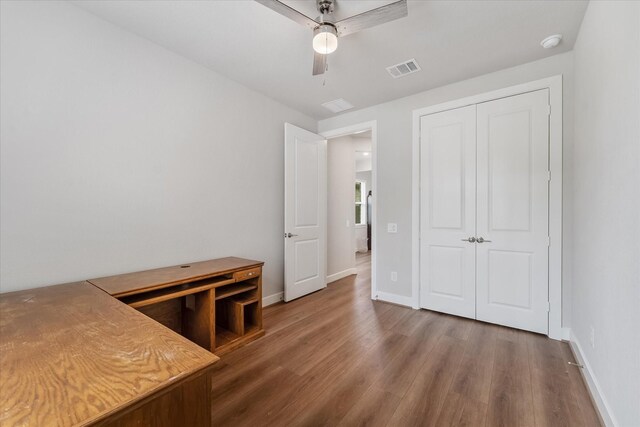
x=551 y=41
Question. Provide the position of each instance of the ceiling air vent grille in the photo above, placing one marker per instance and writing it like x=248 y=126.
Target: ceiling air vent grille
x=404 y=69
x=337 y=105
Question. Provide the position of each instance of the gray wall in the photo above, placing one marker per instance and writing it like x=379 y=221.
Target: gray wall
x=341 y=177
x=606 y=215
x=394 y=165
x=118 y=155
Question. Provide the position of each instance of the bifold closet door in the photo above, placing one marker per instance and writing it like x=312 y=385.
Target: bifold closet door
x=512 y=211
x=447 y=211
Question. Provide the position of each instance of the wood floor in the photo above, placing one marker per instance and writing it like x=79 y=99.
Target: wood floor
x=337 y=358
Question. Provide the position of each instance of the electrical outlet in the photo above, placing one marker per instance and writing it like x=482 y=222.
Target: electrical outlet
x=392 y=227
x=394 y=276
x=592 y=337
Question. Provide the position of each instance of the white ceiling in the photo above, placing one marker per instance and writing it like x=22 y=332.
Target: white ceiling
x=255 y=46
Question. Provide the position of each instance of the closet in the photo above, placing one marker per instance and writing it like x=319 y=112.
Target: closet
x=484 y=211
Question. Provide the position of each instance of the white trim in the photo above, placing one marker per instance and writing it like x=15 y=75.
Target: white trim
x=341 y=274
x=602 y=406
x=348 y=130
x=272 y=299
x=554 y=84
x=566 y=334
x=395 y=299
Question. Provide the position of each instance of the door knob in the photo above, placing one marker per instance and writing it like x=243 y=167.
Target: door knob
x=481 y=240
x=289 y=235
x=470 y=240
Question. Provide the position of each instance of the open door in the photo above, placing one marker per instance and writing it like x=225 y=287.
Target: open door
x=305 y=212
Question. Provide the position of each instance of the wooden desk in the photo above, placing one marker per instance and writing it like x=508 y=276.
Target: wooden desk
x=216 y=304
x=71 y=355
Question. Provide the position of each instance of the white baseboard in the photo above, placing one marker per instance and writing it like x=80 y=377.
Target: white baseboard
x=592 y=384
x=395 y=299
x=341 y=274
x=272 y=299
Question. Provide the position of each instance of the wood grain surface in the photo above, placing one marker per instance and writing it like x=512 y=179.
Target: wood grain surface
x=72 y=355
x=132 y=283
x=337 y=358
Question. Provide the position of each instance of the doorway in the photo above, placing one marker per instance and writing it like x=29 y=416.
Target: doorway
x=351 y=189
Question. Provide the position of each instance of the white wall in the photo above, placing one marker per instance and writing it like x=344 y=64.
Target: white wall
x=394 y=162
x=606 y=214
x=341 y=179
x=118 y=155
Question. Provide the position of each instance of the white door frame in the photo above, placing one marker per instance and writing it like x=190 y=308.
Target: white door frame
x=348 y=130
x=554 y=84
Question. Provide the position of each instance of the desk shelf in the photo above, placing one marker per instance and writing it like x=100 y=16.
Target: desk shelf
x=165 y=294
x=231 y=290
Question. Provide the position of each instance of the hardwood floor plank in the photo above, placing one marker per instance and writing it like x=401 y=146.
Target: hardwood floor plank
x=336 y=357
x=250 y=407
x=460 y=328
x=473 y=378
x=460 y=411
x=324 y=376
x=336 y=401
x=422 y=403
x=373 y=409
x=401 y=372
x=510 y=400
x=554 y=404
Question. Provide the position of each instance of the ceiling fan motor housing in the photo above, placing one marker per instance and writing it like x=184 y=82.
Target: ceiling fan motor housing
x=325 y=6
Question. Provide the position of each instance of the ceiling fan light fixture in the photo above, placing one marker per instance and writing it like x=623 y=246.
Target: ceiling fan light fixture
x=325 y=39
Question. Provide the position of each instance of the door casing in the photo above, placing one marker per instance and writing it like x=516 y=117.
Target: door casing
x=554 y=84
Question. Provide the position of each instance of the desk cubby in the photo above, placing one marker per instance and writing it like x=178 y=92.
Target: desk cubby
x=216 y=304
x=238 y=312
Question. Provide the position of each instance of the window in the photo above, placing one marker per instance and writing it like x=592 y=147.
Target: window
x=361 y=203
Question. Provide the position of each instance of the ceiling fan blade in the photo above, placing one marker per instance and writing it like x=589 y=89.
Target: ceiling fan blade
x=289 y=12
x=371 y=18
x=319 y=63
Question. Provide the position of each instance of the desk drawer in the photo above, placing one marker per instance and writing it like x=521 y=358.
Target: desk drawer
x=247 y=274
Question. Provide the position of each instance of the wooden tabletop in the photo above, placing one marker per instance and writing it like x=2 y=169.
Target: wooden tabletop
x=142 y=281
x=71 y=354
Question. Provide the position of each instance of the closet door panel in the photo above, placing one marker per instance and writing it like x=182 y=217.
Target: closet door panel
x=447 y=211
x=512 y=211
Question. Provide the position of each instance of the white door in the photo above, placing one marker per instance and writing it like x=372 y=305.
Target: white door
x=305 y=212
x=512 y=211
x=448 y=211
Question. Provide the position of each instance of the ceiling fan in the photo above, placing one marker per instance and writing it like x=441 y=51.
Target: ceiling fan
x=326 y=31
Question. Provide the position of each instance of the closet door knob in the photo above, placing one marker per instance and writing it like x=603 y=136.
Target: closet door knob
x=481 y=240
x=289 y=235
x=470 y=240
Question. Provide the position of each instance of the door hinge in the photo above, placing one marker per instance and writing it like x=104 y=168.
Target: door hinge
x=548 y=241
x=548 y=175
x=548 y=110
x=548 y=306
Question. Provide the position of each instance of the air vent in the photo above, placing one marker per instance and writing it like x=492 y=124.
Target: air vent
x=404 y=69
x=337 y=105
